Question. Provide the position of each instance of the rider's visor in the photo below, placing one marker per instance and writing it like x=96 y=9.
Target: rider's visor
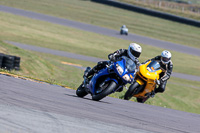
x=165 y=59
x=135 y=53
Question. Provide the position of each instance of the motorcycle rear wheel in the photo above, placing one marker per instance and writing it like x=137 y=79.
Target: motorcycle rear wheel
x=80 y=92
x=130 y=92
x=108 y=90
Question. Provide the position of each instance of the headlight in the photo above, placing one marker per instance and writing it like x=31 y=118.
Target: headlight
x=119 y=69
x=126 y=77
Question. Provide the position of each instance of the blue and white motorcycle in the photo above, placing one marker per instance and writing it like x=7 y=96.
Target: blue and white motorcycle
x=108 y=80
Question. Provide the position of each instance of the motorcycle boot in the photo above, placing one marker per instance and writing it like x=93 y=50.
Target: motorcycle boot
x=88 y=72
x=85 y=76
x=152 y=94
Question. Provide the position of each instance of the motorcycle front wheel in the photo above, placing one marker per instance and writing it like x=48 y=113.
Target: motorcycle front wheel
x=80 y=92
x=131 y=91
x=105 y=92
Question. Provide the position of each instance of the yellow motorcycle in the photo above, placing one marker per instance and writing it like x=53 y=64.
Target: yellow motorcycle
x=145 y=82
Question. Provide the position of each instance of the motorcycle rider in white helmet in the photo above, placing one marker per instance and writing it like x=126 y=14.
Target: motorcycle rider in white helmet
x=166 y=65
x=133 y=52
x=124 y=30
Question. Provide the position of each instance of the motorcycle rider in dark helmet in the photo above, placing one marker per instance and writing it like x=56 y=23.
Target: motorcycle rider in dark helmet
x=133 y=52
x=166 y=65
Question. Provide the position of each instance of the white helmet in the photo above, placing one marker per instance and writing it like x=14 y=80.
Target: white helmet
x=123 y=26
x=134 y=50
x=165 y=57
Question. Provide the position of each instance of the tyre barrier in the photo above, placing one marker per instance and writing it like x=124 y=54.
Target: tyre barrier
x=9 y=62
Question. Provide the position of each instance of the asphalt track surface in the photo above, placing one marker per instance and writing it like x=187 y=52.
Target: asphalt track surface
x=32 y=107
x=85 y=58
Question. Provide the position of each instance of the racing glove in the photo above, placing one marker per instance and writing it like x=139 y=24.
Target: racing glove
x=112 y=57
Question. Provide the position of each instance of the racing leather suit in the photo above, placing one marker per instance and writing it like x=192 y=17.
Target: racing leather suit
x=112 y=57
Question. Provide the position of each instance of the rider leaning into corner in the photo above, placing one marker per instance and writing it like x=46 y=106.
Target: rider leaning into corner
x=166 y=65
x=134 y=50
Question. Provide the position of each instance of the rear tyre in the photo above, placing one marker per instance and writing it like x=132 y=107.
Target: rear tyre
x=131 y=91
x=80 y=92
x=108 y=90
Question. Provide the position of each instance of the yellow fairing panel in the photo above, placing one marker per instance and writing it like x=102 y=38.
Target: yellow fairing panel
x=147 y=74
x=139 y=81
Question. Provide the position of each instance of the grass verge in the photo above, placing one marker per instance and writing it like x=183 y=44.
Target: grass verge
x=110 y=17
x=19 y=29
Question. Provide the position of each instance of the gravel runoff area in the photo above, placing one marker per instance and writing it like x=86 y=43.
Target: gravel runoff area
x=32 y=107
x=85 y=58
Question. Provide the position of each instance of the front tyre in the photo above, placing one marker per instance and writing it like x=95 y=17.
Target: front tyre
x=80 y=92
x=108 y=90
x=131 y=91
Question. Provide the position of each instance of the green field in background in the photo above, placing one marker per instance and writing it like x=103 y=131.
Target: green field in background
x=113 y=18
x=19 y=29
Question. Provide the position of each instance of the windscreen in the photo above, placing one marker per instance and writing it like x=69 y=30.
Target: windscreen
x=130 y=64
x=153 y=66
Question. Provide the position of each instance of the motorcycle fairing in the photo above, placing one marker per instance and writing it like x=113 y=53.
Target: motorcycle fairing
x=95 y=78
x=144 y=70
x=106 y=71
x=125 y=71
x=149 y=76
